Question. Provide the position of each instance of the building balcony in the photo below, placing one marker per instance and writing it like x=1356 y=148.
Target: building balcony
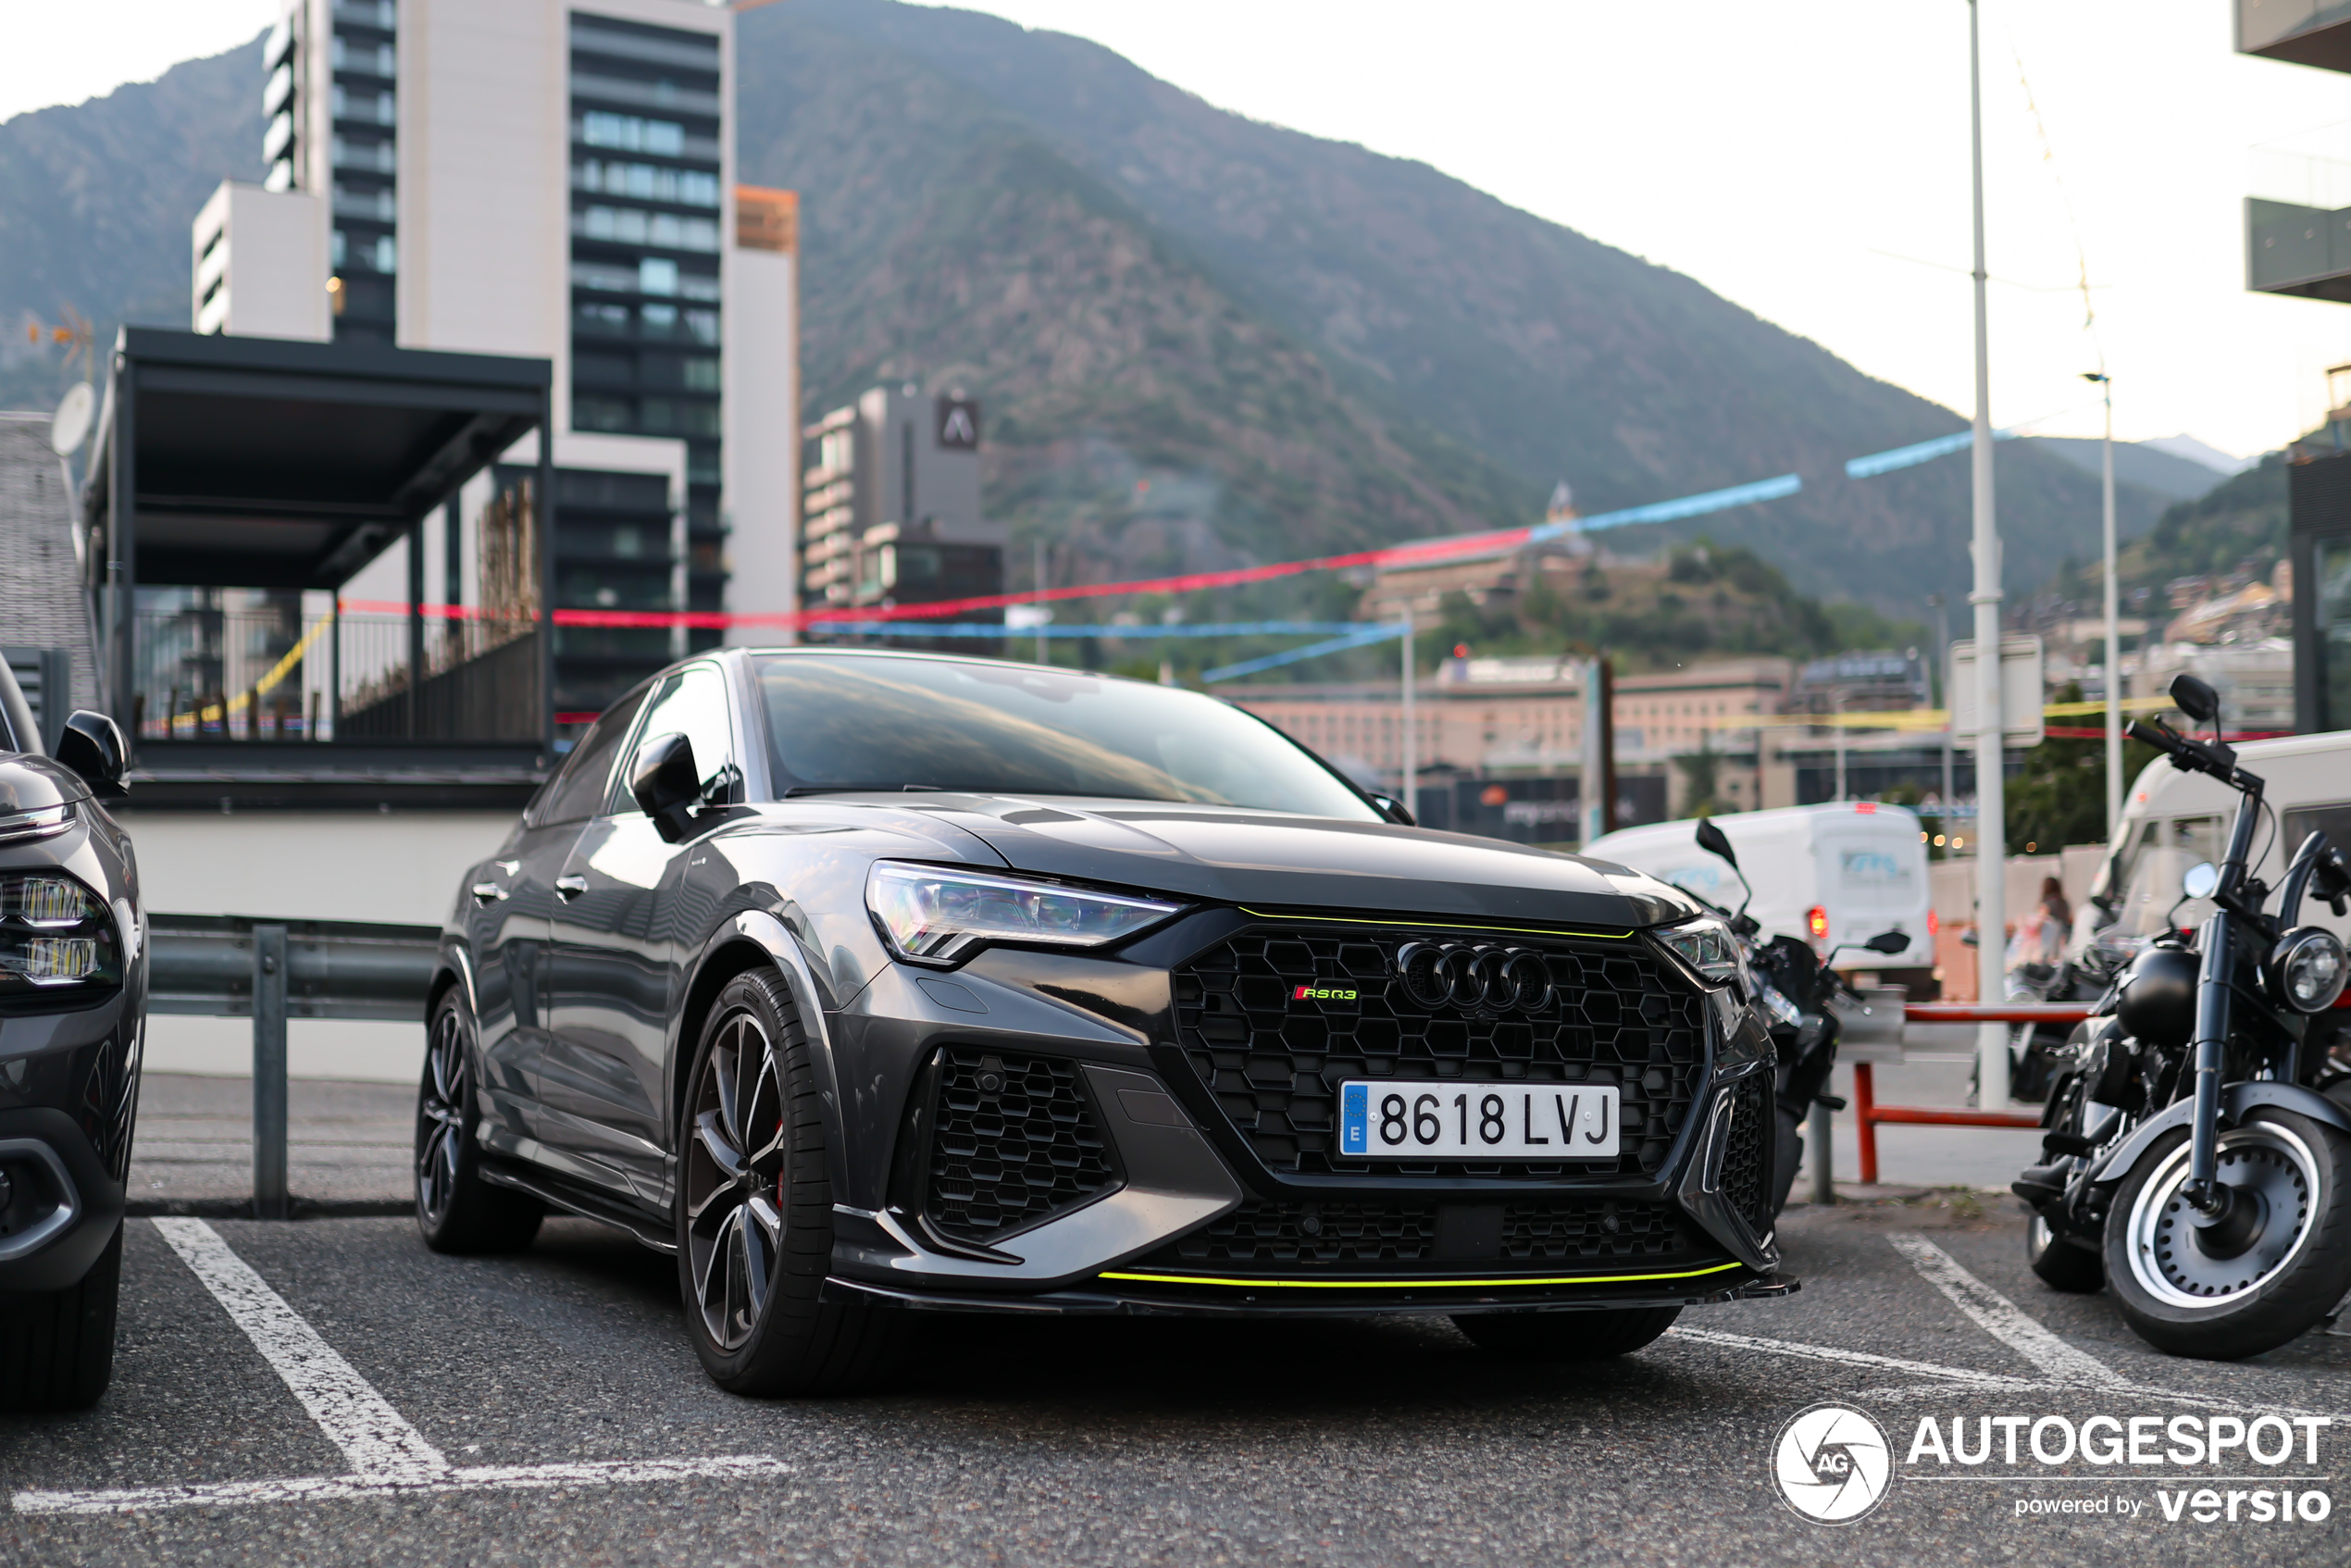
x=2304 y=32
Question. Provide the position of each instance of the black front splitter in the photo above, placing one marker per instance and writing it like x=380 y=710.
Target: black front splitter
x=1272 y=1301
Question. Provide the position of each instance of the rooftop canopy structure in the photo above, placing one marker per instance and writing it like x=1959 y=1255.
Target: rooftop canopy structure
x=236 y=486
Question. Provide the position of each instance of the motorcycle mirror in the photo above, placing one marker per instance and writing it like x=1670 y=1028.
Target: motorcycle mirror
x=2193 y=698
x=1714 y=841
x=2200 y=880
x=1889 y=942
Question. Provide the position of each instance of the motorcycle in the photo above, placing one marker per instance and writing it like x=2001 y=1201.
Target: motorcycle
x=1795 y=988
x=2191 y=1161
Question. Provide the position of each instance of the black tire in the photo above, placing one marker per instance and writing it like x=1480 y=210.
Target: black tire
x=2062 y=1263
x=1569 y=1335
x=457 y=1211
x=754 y=1211
x=57 y=1347
x=1789 y=1155
x=2185 y=1301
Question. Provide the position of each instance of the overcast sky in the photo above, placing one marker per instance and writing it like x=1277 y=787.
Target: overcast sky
x=1807 y=159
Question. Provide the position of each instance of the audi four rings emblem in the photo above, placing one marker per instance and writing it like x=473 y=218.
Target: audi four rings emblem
x=1467 y=975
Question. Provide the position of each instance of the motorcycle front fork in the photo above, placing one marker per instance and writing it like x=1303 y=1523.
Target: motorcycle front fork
x=2211 y=1047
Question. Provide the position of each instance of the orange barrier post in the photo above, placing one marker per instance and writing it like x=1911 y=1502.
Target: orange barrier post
x=1865 y=1118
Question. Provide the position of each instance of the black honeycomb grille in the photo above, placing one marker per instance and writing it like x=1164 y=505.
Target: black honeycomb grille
x=1535 y=1234
x=1274 y=1063
x=1592 y=1230
x=1350 y=1235
x=1743 y=1171
x=1014 y=1141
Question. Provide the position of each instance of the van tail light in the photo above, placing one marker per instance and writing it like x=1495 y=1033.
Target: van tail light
x=1932 y=925
x=1816 y=920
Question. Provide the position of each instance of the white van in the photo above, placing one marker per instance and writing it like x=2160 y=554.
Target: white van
x=1829 y=874
x=2172 y=820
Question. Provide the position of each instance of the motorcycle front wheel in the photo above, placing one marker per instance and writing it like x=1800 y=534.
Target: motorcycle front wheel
x=2275 y=1266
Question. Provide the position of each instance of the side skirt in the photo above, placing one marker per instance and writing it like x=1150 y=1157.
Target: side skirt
x=558 y=1193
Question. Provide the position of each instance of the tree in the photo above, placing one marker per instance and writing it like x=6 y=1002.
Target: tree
x=2060 y=798
x=1701 y=770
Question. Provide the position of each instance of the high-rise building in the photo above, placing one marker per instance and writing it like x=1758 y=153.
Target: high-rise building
x=556 y=179
x=892 y=498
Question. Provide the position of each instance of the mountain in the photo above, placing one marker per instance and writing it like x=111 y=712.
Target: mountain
x=1501 y=352
x=95 y=201
x=1200 y=338
x=2240 y=526
x=2194 y=451
x=2174 y=475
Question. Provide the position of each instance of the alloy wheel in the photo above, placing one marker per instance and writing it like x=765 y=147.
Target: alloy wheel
x=441 y=1116
x=734 y=1180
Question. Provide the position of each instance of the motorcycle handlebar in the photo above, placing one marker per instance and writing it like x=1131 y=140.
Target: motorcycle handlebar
x=2213 y=757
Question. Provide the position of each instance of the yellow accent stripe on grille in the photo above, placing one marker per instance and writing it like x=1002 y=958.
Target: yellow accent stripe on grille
x=1415 y=1283
x=1436 y=925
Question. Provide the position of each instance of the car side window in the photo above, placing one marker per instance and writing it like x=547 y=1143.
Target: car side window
x=578 y=789
x=692 y=702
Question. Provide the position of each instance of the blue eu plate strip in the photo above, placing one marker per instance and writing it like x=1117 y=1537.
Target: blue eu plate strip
x=1354 y=1133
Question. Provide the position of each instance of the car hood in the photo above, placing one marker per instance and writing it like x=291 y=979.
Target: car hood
x=1274 y=860
x=29 y=782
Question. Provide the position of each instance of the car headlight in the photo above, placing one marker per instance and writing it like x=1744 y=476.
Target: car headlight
x=933 y=915
x=2308 y=968
x=1707 y=946
x=54 y=933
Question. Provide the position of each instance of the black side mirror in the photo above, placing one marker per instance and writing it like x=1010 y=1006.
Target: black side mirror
x=1889 y=942
x=1714 y=840
x=92 y=746
x=2193 y=698
x=1393 y=809
x=665 y=784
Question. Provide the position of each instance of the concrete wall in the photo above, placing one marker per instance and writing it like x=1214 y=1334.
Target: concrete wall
x=400 y=866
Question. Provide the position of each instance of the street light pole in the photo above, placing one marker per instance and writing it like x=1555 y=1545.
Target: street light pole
x=1837 y=712
x=1407 y=763
x=1991 y=823
x=2113 y=627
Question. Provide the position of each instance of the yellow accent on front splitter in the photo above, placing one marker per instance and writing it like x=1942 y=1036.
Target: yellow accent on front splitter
x=1414 y=1284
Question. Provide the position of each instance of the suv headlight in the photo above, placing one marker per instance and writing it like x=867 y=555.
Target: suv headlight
x=53 y=933
x=1707 y=946
x=2308 y=968
x=933 y=915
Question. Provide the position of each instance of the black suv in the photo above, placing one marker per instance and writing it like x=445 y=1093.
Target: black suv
x=73 y=989
x=864 y=981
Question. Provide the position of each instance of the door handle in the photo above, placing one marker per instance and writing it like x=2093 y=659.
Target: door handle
x=487 y=893
x=571 y=888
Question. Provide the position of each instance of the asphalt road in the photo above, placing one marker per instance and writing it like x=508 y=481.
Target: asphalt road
x=539 y=1398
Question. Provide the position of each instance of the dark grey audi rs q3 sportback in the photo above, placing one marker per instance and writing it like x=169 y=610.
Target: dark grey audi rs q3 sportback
x=866 y=981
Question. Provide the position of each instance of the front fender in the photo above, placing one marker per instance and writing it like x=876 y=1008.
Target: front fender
x=2237 y=1102
x=772 y=937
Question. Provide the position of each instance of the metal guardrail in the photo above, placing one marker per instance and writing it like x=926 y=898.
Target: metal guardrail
x=238 y=967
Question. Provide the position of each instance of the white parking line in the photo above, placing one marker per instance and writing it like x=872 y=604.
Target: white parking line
x=328 y=1488
x=377 y=1439
x=2002 y=1318
x=387 y=1455
x=1955 y=1376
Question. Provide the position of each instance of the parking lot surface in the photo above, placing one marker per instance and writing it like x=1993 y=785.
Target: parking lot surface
x=328 y=1391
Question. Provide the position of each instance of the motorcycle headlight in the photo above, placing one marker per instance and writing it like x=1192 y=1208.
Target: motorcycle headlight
x=933 y=915
x=53 y=933
x=1707 y=946
x=2308 y=968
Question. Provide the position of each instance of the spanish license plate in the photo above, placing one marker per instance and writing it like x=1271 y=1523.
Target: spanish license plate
x=1452 y=1120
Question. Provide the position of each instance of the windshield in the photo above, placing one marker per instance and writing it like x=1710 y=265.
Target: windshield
x=852 y=721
